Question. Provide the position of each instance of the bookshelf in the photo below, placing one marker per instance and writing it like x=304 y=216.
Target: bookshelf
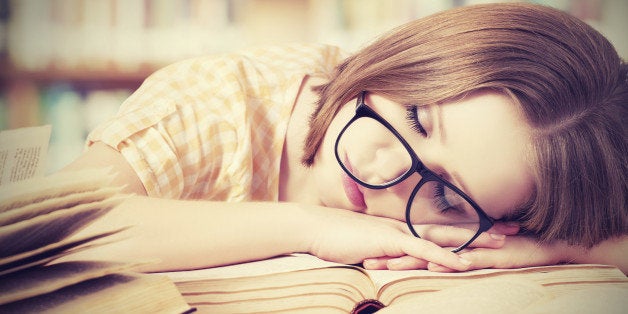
x=61 y=60
x=83 y=78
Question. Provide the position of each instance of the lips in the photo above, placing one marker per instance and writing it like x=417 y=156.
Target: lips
x=351 y=189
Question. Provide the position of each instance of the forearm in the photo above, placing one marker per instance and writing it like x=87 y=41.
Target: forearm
x=610 y=252
x=195 y=234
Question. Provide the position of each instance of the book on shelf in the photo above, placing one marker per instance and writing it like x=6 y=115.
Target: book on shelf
x=38 y=217
x=303 y=283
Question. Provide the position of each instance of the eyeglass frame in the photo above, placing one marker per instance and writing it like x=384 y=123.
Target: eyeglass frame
x=362 y=110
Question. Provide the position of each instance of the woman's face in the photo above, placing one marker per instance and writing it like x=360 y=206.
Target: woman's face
x=479 y=143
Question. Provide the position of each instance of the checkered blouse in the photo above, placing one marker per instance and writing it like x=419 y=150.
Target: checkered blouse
x=214 y=127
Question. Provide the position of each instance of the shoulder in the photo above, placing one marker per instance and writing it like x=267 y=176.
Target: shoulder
x=286 y=58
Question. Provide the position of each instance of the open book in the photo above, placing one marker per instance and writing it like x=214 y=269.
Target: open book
x=303 y=283
x=38 y=217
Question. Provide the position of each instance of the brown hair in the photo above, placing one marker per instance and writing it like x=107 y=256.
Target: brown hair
x=566 y=77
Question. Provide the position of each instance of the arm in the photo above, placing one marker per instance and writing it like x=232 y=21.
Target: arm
x=194 y=234
x=516 y=251
x=448 y=237
x=610 y=252
x=521 y=251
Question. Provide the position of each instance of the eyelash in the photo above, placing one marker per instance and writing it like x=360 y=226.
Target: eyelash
x=440 y=201
x=412 y=116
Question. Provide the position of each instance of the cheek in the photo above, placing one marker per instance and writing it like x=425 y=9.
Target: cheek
x=391 y=202
x=383 y=203
x=325 y=173
x=504 y=179
x=500 y=194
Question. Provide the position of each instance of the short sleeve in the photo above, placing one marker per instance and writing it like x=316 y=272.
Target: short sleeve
x=213 y=127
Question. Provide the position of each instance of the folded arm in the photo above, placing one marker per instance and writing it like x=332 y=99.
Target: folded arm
x=520 y=251
x=188 y=234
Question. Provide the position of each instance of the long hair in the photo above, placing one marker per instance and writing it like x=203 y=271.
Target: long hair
x=567 y=79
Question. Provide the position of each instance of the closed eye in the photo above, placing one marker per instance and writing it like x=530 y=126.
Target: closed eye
x=412 y=116
x=448 y=202
x=440 y=200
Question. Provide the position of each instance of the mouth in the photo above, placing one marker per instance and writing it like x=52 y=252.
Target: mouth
x=352 y=191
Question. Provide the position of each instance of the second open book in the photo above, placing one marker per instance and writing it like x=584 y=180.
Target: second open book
x=305 y=283
x=39 y=218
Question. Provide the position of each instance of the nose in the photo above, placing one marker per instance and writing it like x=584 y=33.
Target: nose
x=392 y=163
x=386 y=165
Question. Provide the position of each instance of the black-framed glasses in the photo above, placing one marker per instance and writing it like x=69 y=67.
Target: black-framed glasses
x=376 y=156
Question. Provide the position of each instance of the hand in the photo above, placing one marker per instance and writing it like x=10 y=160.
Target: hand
x=348 y=237
x=517 y=251
x=525 y=252
x=445 y=236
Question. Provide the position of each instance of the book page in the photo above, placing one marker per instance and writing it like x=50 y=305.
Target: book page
x=52 y=252
x=487 y=296
x=25 y=192
x=280 y=264
x=23 y=153
x=43 y=279
x=556 y=279
x=383 y=277
x=115 y=293
x=45 y=229
x=49 y=205
x=607 y=300
x=293 y=283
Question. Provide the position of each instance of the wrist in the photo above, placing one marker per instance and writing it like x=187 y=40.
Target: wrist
x=315 y=225
x=305 y=226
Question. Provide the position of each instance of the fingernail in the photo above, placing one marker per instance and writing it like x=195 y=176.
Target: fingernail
x=367 y=263
x=437 y=268
x=497 y=236
x=393 y=263
x=464 y=261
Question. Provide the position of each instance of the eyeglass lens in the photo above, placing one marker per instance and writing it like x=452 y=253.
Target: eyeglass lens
x=368 y=151
x=436 y=204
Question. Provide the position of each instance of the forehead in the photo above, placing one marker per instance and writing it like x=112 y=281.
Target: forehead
x=486 y=141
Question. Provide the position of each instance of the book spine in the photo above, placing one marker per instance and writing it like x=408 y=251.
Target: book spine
x=367 y=306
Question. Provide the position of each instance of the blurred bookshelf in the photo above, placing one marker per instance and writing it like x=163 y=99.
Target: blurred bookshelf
x=71 y=63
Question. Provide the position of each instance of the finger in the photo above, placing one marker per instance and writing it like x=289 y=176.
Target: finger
x=523 y=252
x=406 y=263
x=483 y=258
x=454 y=236
x=378 y=263
x=489 y=240
x=505 y=228
x=438 y=268
x=423 y=249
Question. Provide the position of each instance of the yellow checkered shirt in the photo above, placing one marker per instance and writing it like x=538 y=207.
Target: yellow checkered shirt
x=213 y=127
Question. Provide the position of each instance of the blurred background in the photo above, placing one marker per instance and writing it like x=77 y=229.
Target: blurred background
x=70 y=63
